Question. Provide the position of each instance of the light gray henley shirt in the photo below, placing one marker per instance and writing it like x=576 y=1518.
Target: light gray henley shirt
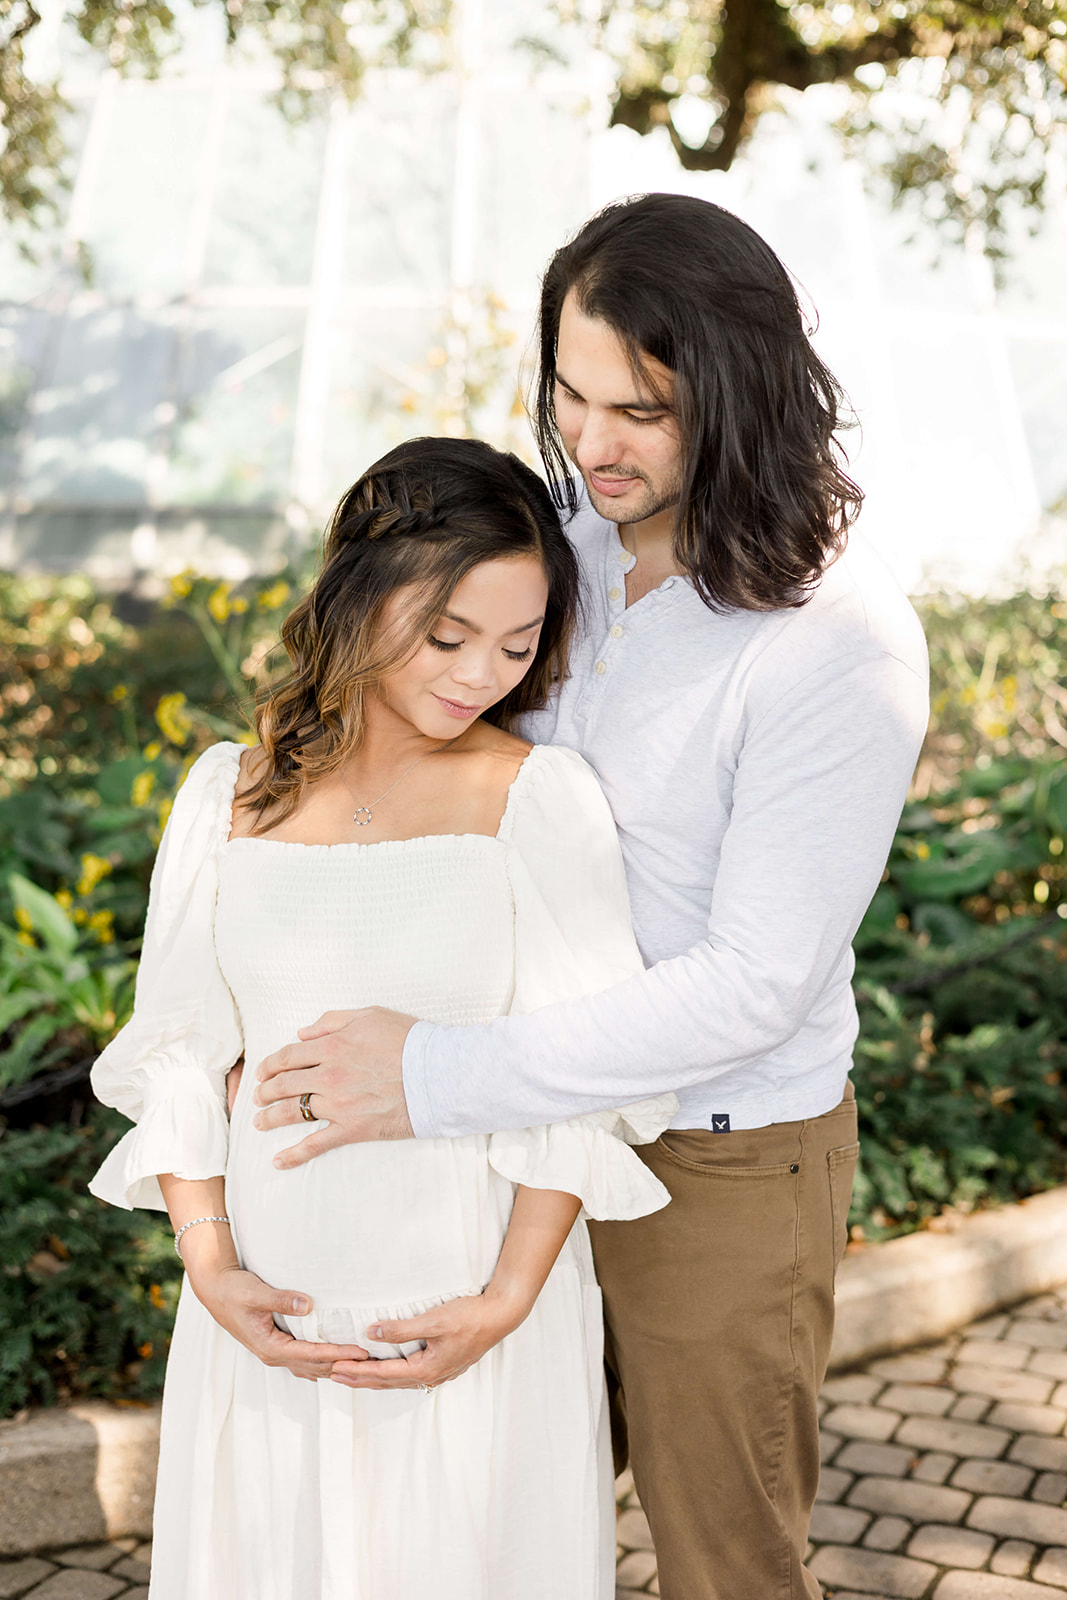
x=756 y=764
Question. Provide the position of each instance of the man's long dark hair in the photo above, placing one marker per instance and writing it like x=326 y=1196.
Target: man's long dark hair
x=765 y=505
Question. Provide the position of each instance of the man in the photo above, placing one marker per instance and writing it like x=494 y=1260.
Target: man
x=752 y=695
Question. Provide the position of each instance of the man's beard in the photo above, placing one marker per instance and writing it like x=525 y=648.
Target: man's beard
x=653 y=501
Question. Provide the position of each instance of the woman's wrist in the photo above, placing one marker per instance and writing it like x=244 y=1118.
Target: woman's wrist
x=510 y=1299
x=206 y=1250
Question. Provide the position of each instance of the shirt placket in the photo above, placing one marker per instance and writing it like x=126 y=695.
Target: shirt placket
x=617 y=563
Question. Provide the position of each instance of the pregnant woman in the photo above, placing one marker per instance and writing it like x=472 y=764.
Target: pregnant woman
x=388 y=842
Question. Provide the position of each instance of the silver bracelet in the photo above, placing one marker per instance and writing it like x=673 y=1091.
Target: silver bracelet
x=194 y=1224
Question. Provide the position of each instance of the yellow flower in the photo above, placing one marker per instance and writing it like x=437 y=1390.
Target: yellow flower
x=174 y=721
x=181 y=586
x=26 y=939
x=155 y=1294
x=922 y=850
x=153 y=751
x=272 y=598
x=64 y=898
x=93 y=869
x=142 y=787
x=251 y=739
x=165 y=809
x=118 y=694
x=23 y=919
x=80 y=915
x=102 y=924
x=219 y=602
x=238 y=605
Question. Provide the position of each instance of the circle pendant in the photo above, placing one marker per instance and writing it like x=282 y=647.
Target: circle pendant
x=361 y=816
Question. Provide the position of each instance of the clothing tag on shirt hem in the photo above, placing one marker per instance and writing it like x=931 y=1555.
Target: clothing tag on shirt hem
x=720 y=1124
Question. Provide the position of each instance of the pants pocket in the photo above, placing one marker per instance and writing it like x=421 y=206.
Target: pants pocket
x=841 y=1164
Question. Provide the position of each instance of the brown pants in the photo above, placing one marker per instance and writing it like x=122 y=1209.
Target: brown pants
x=719 y=1313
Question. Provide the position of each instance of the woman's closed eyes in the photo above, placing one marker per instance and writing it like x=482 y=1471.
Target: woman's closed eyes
x=512 y=655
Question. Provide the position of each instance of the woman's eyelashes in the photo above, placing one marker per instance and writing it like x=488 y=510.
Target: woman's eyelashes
x=512 y=655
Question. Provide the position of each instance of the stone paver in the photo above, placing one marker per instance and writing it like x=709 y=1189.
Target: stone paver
x=919 y=1502
x=832 y=1483
x=1048 y=1454
x=957 y=1438
x=888 y=1533
x=1012 y=1558
x=16 y=1577
x=837 y=1524
x=75 y=1583
x=951 y=1547
x=944 y=1478
x=990 y=1586
x=862 y=1455
x=1052 y=1568
x=1002 y=1384
x=922 y=1399
x=1019 y=1519
x=992 y=1477
x=1028 y=1419
x=873 y=1571
x=862 y=1422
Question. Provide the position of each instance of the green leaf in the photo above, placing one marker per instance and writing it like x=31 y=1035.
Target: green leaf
x=45 y=912
x=951 y=876
x=116 y=780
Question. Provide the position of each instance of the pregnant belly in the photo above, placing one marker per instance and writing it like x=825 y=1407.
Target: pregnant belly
x=366 y=1230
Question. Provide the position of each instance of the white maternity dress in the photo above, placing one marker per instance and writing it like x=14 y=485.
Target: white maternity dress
x=496 y=1486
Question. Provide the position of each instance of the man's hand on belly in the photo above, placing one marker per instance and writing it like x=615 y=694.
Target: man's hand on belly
x=350 y=1063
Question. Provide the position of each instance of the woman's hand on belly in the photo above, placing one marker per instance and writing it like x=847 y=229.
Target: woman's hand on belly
x=245 y=1306
x=457 y=1335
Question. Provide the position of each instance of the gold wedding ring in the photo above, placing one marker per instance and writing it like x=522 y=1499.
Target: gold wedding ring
x=305 y=1108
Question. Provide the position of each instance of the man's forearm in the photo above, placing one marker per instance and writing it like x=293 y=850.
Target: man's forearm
x=797 y=869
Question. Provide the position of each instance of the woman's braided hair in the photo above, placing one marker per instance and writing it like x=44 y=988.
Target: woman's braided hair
x=421 y=518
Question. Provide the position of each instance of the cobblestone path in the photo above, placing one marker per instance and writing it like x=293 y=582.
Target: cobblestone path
x=944 y=1471
x=944 y=1478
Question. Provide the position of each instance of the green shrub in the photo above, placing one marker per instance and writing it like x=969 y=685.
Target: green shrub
x=961 y=962
x=87 y=1291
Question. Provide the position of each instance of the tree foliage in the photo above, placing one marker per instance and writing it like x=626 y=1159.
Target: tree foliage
x=978 y=88
x=982 y=87
x=318 y=44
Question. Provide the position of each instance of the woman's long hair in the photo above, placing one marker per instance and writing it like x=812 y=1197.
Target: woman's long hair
x=422 y=517
x=765 y=504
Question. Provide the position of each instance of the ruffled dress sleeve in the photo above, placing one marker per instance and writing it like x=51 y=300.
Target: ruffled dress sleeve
x=166 y=1069
x=573 y=937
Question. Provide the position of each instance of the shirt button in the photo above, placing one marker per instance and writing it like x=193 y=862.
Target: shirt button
x=624 y=556
x=601 y=666
x=616 y=632
x=615 y=594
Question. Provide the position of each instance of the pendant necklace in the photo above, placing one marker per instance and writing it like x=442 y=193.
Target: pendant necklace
x=364 y=815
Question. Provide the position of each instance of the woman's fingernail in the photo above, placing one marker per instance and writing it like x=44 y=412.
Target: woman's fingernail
x=300 y=1305
x=375 y=1333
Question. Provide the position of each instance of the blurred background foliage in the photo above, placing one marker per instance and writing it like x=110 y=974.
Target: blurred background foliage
x=703 y=70
x=961 y=961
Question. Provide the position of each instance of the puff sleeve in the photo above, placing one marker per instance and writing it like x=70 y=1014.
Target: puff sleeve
x=572 y=938
x=166 y=1069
